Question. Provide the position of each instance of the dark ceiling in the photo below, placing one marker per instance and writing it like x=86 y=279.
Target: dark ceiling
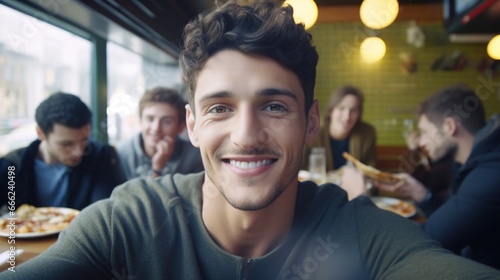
x=162 y=21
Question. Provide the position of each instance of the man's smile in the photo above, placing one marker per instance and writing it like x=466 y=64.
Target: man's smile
x=249 y=164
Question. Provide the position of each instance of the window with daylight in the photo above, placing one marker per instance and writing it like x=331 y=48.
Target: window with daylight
x=36 y=60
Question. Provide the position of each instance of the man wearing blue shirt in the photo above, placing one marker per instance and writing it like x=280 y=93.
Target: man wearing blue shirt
x=63 y=167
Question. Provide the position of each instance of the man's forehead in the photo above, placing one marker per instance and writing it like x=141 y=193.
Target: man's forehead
x=164 y=108
x=62 y=132
x=228 y=63
x=424 y=122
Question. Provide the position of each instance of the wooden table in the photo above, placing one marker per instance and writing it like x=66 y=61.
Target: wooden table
x=32 y=247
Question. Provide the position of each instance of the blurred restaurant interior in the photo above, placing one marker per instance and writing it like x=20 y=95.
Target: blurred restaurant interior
x=110 y=52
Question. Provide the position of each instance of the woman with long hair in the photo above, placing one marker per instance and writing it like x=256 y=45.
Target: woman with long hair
x=343 y=130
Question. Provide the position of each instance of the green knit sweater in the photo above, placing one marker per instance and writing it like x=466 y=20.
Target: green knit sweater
x=153 y=229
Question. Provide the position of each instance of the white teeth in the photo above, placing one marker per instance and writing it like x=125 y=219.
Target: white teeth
x=249 y=165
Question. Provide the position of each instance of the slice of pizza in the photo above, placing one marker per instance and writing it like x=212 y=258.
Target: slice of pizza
x=372 y=172
x=30 y=219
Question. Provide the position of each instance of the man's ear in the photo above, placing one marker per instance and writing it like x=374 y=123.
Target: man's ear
x=451 y=126
x=40 y=133
x=190 y=124
x=313 y=122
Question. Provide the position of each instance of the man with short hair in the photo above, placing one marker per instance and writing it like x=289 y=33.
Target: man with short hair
x=158 y=150
x=250 y=72
x=63 y=168
x=452 y=123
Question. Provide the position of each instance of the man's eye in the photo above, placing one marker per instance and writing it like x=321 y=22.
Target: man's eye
x=276 y=108
x=219 y=110
x=166 y=122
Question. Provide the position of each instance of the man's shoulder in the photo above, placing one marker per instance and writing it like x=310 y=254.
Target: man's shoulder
x=130 y=149
x=165 y=188
x=327 y=208
x=99 y=150
x=484 y=170
x=15 y=157
x=327 y=200
x=127 y=144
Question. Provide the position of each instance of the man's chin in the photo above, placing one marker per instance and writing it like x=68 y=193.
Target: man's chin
x=447 y=154
x=72 y=163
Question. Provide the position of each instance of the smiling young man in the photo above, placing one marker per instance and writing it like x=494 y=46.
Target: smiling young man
x=158 y=150
x=63 y=168
x=250 y=72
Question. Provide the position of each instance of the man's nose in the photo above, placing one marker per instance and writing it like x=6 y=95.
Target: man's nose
x=248 y=130
x=156 y=125
x=78 y=150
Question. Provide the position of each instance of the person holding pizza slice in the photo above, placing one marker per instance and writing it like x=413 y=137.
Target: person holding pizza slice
x=452 y=123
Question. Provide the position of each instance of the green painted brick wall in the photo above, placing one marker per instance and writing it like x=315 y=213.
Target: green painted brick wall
x=391 y=95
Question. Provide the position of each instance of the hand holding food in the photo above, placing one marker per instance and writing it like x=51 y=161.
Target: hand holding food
x=373 y=173
x=409 y=187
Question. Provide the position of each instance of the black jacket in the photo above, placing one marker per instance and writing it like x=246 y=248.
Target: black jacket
x=468 y=222
x=92 y=179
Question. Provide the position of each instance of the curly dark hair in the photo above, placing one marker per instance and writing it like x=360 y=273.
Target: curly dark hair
x=165 y=95
x=64 y=109
x=456 y=101
x=262 y=28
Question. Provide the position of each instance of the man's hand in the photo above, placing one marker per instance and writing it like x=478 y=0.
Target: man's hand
x=412 y=140
x=353 y=182
x=409 y=187
x=164 y=150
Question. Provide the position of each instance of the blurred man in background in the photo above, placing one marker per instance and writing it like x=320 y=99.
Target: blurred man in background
x=452 y=123
x=63 y=167
x=158 y=149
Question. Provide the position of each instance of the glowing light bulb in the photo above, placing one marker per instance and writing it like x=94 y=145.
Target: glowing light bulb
x=378 y=14
x=493 y=48
x=372 y=49
x=304 y=11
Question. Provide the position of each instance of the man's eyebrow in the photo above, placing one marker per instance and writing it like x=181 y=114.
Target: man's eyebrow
x=276 y=91
x=220 y=94
x=264 y=92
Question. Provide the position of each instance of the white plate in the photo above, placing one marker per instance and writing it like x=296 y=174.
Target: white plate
x=395 y=205
x=43 y=233
x=304 y=175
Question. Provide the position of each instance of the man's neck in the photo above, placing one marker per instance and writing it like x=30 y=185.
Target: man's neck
x=464 y=148
x=43 y=153
x=249 y=234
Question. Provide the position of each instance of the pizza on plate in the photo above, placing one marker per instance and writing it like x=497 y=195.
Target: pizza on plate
x=30 y=219
x=371 y=172
x=397 y=206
